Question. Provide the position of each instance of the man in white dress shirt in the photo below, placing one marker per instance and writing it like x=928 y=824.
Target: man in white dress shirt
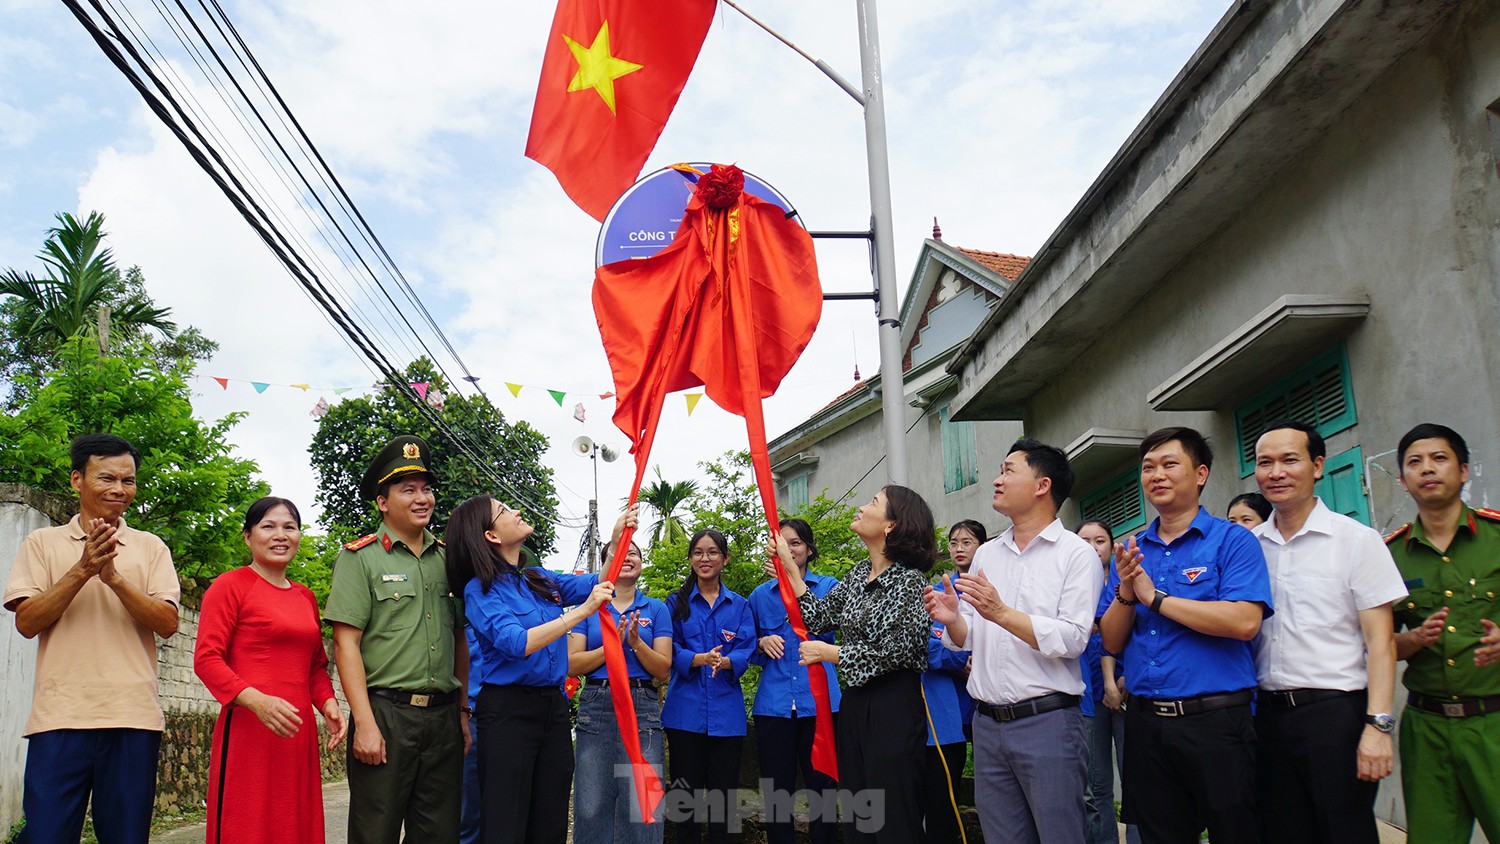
x=1326 y=661
x=1027 y=607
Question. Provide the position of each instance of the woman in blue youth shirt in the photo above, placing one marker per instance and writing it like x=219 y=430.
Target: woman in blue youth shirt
x=605 y=809
x=784 y=711
x=713 y=634
x=525 y=749
x=949 y=707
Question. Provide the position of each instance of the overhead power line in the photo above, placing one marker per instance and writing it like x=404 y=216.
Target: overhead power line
x=129 y=47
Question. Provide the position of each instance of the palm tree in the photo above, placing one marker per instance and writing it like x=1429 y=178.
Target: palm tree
x=81 y=276
x=665 y=497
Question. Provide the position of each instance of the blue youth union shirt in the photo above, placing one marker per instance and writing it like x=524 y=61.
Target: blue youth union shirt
x=502 y=616
x=785 y=689
x=655 y=621
x=699 y=700
x=1215 y=560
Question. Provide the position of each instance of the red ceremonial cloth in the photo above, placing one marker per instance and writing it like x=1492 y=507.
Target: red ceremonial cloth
x=611 y=74
x=729 y=305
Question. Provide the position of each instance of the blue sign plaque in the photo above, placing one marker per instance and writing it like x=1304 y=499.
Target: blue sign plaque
x=644 y=220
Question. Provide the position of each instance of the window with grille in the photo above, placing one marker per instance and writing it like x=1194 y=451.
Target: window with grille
x=1318 y=393
x=960 y=453
x=1121 y=504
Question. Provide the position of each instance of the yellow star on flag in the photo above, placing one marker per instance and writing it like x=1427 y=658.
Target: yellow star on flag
x=598 y=69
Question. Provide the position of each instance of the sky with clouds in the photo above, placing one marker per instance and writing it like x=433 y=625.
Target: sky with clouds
x=999 y=115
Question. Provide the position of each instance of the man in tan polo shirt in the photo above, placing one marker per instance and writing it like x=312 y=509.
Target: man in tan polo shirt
x=94 y=593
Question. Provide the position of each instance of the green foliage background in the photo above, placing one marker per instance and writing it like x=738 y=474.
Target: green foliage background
x=192 y=491
x=355 y=429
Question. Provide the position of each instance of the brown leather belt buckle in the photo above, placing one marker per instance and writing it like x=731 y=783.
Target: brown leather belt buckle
x=1167 y=708
x=421 y=700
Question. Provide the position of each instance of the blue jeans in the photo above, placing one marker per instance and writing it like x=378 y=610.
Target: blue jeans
x=469 y=817
x=1104 y=727
x=605 y=809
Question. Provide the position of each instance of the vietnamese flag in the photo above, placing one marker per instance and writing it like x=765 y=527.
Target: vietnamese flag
x=611 y=74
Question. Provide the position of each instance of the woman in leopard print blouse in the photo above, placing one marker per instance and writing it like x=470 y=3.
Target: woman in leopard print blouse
x=881 y=655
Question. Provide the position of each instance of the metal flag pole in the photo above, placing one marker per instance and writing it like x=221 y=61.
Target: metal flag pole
x=872 y=99
x=892 y=403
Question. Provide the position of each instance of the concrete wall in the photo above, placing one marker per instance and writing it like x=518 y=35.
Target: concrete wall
x=17 y=664
x=1397 y=201
x=846 y=456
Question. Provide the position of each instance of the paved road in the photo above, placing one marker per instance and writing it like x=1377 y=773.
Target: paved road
x=336 y=814
x=335 y=817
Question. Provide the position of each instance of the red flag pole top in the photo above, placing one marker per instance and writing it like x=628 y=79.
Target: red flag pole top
x=728 y=306
x=611 y=75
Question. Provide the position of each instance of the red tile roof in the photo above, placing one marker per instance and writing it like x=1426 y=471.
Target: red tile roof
x=1003 y=263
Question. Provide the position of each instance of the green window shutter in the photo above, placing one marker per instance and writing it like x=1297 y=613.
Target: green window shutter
x=796 y=493
x=1121 y=504
x=1318 y=393
x=1342 y=487
x=960 y=453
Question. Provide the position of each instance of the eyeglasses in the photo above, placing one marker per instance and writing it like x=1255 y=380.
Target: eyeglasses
x=712 y=554
x=505 y=510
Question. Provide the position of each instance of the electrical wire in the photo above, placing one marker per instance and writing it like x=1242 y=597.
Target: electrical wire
x=206 y=154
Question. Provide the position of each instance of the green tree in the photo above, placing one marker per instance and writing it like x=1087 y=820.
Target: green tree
x=39 y=315
x=666 y=497
x=355 y=429
x=729 y=502
x=193 y=491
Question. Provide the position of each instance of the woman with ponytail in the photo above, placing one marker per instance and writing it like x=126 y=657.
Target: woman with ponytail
x=525 y=745
x=713 y=636
x=883 y=628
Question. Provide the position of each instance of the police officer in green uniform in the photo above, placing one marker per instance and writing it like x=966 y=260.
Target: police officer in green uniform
x=1450 y=558
x=403 y=661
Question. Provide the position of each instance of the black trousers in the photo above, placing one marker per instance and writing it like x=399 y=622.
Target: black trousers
x=1182 y=775
x=525 y=764
x=1307 y=767
x=937 y=801
x=711 y=764
x=782 y=746
x=882 y=755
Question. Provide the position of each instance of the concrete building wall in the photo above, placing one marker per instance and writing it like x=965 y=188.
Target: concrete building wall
x=1396 y=202
x=17 y=665
x=845 y=458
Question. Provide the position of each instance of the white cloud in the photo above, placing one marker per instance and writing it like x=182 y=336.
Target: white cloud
x=999 y=115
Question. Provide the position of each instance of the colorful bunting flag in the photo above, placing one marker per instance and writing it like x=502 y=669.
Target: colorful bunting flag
x=320 y=409
x=302 y=387
x=260 y=386
x=557 y=396
x=421 y=388
x=223 y=382
x=578 y=412
x=515 y=389
x=692 y=401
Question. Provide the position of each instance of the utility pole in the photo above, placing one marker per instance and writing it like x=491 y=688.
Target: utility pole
x=103 y=324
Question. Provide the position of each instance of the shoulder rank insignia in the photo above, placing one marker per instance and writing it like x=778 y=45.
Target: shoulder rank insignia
x=1401 y=532
x=441 y=543
x=1487 y=514
x=359 y=543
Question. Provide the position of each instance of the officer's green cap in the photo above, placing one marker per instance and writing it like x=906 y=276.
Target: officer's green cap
x=401 y=456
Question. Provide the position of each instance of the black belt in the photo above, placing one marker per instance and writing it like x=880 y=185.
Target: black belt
x=421 y=699
x=1190 y=705
x=633 y=682
x=1463 y=707
x=1026 y=708
x=1293 y=698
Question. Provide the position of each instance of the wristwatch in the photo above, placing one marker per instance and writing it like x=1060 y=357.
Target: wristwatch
x=1381 y=721
x=1156 y=601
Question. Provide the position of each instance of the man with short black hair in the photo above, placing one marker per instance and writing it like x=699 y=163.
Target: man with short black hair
x=1183 y=604
x=1026 y=609
x=1450 y=557
x=1326 y=663
x=95 y=593
x=398 y=641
